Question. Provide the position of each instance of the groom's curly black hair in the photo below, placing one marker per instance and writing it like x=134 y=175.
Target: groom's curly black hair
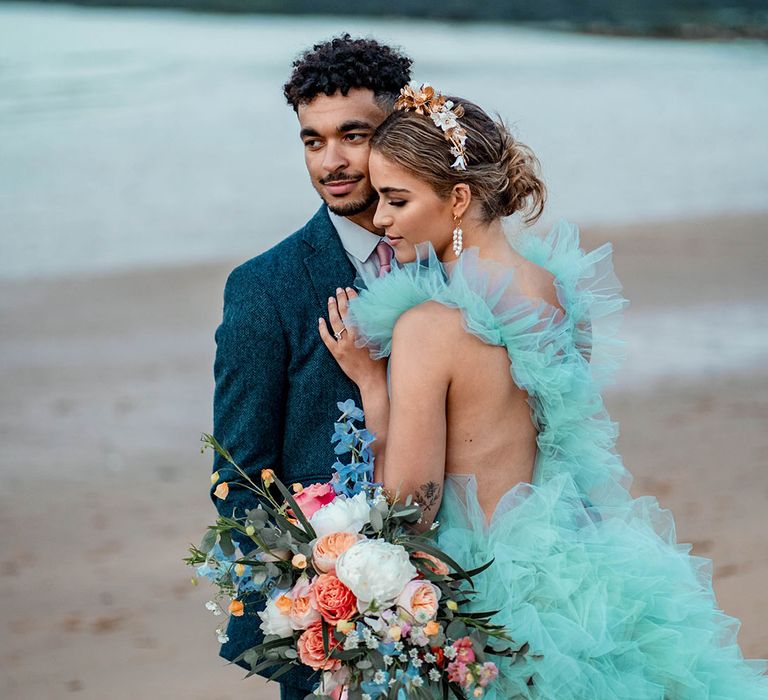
x=344 y=63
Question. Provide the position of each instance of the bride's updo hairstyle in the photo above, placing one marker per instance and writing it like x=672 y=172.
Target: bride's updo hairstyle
x=502 y=173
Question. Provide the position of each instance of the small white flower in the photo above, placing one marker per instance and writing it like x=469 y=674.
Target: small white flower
x=398 y=646
x=450 y=653
x=434 y=675
x=351 y=641
x=379 y=677
x=213 y=606
x=402 y=658
x=417 y=682
x=222 y=635
x=430 y=658
x=365 y=696
x=417 y=663
x=388 y=660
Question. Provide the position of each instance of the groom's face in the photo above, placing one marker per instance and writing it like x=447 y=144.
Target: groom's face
x=336 y=131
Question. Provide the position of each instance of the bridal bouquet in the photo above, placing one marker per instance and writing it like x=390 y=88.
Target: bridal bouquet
x=351 y=592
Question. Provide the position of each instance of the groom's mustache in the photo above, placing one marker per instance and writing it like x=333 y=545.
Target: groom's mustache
x=340 y=177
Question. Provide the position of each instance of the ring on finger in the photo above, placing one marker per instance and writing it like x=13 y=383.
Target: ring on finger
x=339 y=333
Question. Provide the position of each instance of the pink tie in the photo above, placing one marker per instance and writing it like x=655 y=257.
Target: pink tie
x=384 y=253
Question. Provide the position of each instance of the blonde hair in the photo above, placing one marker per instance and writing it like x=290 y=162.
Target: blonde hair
x=502 y=173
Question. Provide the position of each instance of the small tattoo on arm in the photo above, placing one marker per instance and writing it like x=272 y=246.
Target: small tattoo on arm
x=428 y=495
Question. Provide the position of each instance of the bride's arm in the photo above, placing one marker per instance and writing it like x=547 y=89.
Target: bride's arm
x=420 y=368
x=410 y=426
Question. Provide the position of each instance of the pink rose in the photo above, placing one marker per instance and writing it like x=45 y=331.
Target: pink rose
x=329 y=548
x=313 y=498
x=419 y=599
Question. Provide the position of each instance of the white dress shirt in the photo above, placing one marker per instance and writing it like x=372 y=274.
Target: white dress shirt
x=359 y=245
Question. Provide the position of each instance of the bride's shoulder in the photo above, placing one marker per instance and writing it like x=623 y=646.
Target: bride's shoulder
x=429 y=322
x=536 y=282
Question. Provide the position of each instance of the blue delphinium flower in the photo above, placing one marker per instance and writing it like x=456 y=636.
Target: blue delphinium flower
x=216 y=564
x=350 y=479
x=350 y=410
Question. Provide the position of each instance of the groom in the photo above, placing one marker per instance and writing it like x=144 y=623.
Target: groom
x=276 y=384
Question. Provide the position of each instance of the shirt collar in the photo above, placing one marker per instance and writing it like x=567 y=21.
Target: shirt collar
x=357 y=241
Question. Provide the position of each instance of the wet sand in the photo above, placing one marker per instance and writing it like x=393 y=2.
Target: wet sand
x=107 y=386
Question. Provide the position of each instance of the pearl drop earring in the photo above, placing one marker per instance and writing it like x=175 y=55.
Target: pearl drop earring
x=458 y=238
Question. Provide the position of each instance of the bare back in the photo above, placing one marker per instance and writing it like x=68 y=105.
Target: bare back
x=489 y=429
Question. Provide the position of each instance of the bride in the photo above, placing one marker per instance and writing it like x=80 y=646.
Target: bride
x=489 y=411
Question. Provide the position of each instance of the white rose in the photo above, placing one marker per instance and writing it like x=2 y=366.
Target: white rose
x=273 y=621
x=375 y=571
x=342 y=515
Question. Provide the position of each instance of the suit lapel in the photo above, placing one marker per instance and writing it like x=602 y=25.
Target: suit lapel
x=327 y=264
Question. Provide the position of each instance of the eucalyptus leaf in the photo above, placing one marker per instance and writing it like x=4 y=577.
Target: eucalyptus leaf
x=456 y=630
x=225 y=542
x=377 y=521
x=209 y=540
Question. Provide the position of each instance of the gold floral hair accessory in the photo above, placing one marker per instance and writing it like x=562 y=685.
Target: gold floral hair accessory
x=426 y=100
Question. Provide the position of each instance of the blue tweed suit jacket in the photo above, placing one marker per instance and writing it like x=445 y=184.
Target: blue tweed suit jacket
x=276 y=383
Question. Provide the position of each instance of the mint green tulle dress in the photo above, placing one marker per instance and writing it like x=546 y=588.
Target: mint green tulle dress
x=591 y=578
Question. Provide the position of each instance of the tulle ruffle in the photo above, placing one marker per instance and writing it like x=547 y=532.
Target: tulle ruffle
x=594 y=580
x=560 y=359
x=612 y=607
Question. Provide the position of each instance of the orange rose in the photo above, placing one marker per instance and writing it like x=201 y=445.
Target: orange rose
x=329 y=548
x=311 y=651
x=333 y=599
x=222 y=490
x=433 y=563
x=236 y=608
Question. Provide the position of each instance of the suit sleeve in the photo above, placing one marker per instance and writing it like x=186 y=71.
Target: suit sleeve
x=249 y=396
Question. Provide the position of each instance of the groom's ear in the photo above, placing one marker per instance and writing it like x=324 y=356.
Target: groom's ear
x=461 y=198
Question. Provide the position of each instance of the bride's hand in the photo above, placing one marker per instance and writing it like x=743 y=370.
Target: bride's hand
x=355 y=362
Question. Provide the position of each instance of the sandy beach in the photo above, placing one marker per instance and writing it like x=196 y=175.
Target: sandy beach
x=107 y=386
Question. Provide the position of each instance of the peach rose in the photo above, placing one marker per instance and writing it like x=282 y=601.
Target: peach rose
x=236 y=608
x=313 y=498
x=311 y=651
x=329 y=548
x=419 y=599
x=333 y=599
x=302 y=612
x=435 y=565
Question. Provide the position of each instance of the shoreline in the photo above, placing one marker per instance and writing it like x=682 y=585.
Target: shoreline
x=735 y=24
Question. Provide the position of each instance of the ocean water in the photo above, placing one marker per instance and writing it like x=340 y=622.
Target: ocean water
x=134 y=137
